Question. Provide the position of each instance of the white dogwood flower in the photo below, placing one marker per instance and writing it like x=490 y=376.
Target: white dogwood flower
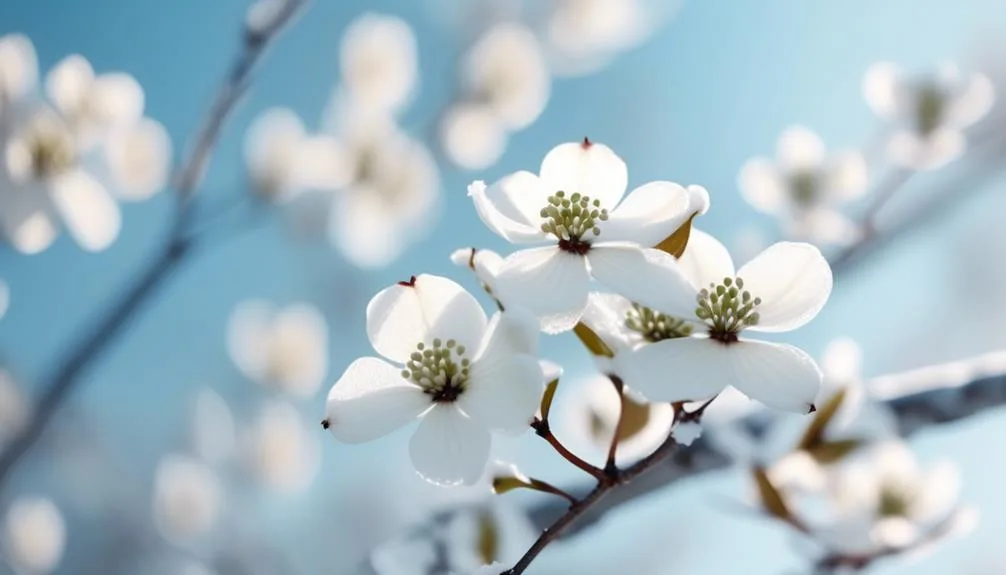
x=928 y=113
x=804 y=184
x=286 y=348
x=284 y=160
x=379 y=61
x=34 y=535
x=584 y=35
x=506 y=70
x=392 y=186
x=461 y=376
x=587 y=422
x=68 y=161
x=576 y=204
x=187 y=497
x=781 y=289
x=281 y=450
x=887 y=501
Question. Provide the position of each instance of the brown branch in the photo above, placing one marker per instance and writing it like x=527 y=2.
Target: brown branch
x=617 y=436
x=544 y=430
x=179 y=245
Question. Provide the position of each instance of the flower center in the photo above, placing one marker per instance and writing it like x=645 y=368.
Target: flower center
x=727 y=308
x=894 y=502
x=804 y=187
x=930 y=106
x=435 y=369
x=655 y=326
x=48 y=148
x=570 y=218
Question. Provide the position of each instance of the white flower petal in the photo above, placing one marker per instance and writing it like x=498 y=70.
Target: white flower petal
x=507 y=68
x=90 y=214
x=213 y=428
x=487 y=266
x=974 y=101
x=270 y=148
x=847 y=176
x=521 y=197
x=605 y=315
x=34 y=535
x=648 y=214
x=18 y=68
x=645 y=276
x=586 y=168
x=322 y=164
x=117 y=100
x=503 y=394
x=780 y=376
x=799 y=149
x=939 y=493
x=69 y=83
x=939 y=148
x=842 y=360
x=705 y=260
x=823 y=226
x=364 y=231
x=379 y=61
x=682 y=369
x=893 y=461
x=249 y=337
x=880 y=89
x=300 y=342
x=187 y=497
x=763 y=186
x=281 y=451
x=139 y=158
x=25 y=220
x=371 y=400
x=472 y=136
x=449 y=448
x=401 y=316
x=512 y=332
x=794 y=282
x=500 y=216
x=548 y=282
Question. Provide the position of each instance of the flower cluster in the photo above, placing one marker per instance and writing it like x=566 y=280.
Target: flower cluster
x=67 y=155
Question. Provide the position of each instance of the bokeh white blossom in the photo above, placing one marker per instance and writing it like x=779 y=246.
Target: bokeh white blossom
x=34 y=535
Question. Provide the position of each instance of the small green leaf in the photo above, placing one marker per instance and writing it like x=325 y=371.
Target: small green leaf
x=815 y=431
x=827 y=452
x=676 y=243
x=546 y=399
x=488 y=539
x=592 y=341
x=502 y=485
x=771 y=499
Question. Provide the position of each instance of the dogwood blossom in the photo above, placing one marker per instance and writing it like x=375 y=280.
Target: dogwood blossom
x=887 y=501
x=187 y=497
x=379 y=61
x=568 y=205
x=462 y=377
x=34 y=535
x=472 y=135
x=63 y=160
x=803 y=184
x=281 y=450
x=213 y=428
x=286 y=349
x=779 y=290
x=928 y=113
x=585 y=35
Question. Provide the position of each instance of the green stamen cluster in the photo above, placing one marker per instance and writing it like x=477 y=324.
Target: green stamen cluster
x=930 y=106
x=894 y=502
x=804 y=187
x=728 y=308
x=571 y=218
x=655 y=326
x=50 y=148
x=435 y=370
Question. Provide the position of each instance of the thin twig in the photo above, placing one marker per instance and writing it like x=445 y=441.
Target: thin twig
x=544 y=430
x=178 y=246
x=617 y=436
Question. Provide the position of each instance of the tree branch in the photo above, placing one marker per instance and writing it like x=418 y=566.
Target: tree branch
x=178 y=246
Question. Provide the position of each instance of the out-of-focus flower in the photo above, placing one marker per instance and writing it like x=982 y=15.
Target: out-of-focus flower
x=803 y=184
x=481 y=538
x=281 y=450
x=463 y=377
x=506 y=70
x=14 y=411
x=928 y=113
x=472 y=135
x=392 y=190
x=34 y=535
x=286 y=349
x=187 y=498
x=585 y=35
x=589 y=420
x=568 y=205
x=379 y=61
x=886 y=501
x=65 y=161
x=780 y=290
x=18 y=71
x=213 y=429
x=284 y=160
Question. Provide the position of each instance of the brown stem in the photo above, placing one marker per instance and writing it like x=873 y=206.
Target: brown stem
x=611 y=466
x=546 y=487
x=542 y=428
x=178 y=246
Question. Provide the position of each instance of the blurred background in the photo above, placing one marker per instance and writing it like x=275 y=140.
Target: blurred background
x=686 y=92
